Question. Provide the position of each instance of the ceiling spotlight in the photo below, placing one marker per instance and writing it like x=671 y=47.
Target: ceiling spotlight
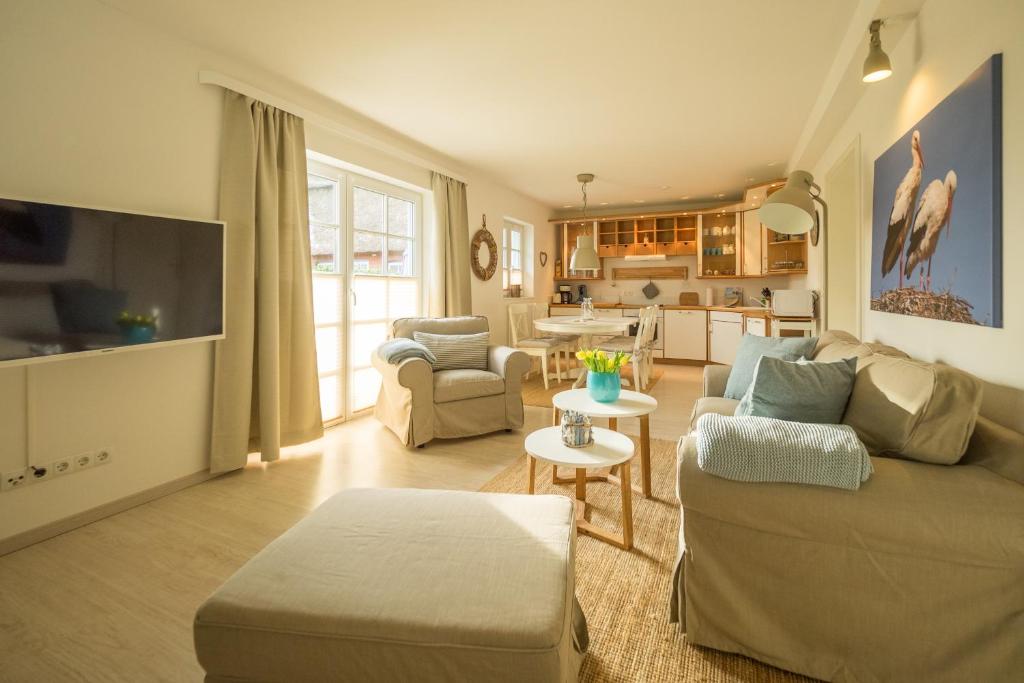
x=566 y=206
x=686 y=197
x=638 y=201
x=604 y=203
x=877 y=66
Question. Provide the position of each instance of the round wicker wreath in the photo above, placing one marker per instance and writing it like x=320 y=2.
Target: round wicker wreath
x=483 y=236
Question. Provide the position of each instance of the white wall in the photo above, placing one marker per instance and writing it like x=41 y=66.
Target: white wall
x=102 y=110
x=950 y=39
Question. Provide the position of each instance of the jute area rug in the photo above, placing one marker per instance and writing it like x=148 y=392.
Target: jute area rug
x=534 y=393
x=625 y=594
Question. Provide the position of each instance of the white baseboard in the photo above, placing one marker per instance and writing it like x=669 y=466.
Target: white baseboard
x=42 y=533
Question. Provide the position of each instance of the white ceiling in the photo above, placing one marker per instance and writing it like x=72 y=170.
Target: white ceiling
x=661 y=99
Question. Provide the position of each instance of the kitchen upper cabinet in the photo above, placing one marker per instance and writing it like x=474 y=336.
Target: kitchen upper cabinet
x=724 y=339
x=718 y=245
x=755 y=252
x=686 y=335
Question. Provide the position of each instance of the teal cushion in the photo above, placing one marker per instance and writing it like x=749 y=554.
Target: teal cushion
x=752 y=347
x=803 y=391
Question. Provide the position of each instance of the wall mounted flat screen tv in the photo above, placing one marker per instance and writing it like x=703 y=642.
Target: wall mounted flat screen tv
x=76 y=280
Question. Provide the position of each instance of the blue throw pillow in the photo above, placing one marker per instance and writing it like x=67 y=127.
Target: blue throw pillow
x=803 y=391
x=752 y=347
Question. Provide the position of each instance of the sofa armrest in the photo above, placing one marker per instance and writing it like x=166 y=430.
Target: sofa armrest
x=507 y=362
x=715 y=379
x=414 y=374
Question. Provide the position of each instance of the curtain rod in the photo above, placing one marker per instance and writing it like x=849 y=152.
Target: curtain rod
x=207 y=77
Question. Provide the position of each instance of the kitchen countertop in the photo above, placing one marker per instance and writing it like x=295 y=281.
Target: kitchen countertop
x=749 y=311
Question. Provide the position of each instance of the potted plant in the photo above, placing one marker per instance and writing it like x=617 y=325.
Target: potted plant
x=136 y=329
x=604 y=373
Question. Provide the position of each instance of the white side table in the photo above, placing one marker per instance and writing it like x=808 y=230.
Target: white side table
x=609 y=449
x=629 y=404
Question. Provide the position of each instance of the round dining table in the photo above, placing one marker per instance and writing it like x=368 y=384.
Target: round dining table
x=587 y=330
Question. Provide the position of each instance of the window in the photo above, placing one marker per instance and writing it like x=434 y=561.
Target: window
x=516 y=254
x=512 y=256
x=364 y=246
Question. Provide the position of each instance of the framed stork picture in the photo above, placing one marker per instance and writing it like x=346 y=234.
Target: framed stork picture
x=936 y=238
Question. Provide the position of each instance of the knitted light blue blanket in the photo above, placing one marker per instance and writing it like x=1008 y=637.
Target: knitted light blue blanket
x=397 y=350
x=763 y=449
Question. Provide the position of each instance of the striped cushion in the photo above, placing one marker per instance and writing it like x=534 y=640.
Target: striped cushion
x=456 y=351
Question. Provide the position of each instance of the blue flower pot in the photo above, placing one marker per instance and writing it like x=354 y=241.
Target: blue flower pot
x=137 y=334
x=604 y=387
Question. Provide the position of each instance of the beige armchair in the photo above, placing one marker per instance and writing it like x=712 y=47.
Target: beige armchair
x=418 y=404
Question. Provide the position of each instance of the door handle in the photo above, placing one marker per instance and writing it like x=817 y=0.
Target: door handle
x=355 y=299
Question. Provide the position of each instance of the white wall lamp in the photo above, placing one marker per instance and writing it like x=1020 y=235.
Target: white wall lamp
x=792 y=211
x=584 y=256
x=877 y=66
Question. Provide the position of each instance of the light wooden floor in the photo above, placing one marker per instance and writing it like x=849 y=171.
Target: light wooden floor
x=114 y=600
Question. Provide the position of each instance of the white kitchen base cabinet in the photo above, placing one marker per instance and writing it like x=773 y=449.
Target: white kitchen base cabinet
x=686 y=335
x=757 y=326
x=724 y=340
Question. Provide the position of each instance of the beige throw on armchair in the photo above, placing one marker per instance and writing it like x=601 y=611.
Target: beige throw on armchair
x=266 y=392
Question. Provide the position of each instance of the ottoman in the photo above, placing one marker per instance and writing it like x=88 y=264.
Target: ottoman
x=404 y=585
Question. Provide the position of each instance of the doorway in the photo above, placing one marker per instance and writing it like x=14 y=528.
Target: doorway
x=843 y=244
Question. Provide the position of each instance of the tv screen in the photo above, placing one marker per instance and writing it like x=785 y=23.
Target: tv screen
x=75 y=280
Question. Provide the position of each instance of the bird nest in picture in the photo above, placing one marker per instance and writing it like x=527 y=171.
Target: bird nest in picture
x=938 y=305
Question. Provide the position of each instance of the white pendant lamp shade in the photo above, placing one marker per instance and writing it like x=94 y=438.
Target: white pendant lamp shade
x=790 y=210
x=584 y=257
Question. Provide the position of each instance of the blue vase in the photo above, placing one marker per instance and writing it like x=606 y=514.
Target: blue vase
x=137 y=334
x=604 y=387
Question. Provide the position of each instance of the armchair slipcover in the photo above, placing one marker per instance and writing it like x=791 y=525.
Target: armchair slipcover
x=418 y=404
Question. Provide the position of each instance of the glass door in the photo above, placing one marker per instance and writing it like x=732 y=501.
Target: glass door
x=326 y=189
x=386 y=274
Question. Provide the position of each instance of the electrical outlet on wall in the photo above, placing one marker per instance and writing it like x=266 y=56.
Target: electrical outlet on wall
x=16 y=480
x=80 y=462
x=102 y=456
x=59 y=467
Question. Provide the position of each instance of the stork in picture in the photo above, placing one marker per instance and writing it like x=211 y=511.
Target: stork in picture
x=933 y=214
x=902 y=215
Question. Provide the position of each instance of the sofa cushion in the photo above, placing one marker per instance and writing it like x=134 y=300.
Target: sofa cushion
x=752 y=347
x=801 y=391
x=949 y=514
x=456 y=385
x=917 y=410
x=456 y=351
x=841 y=350
x=712 y=404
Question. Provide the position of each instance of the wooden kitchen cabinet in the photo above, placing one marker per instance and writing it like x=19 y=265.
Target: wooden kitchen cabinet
x=754 y=245
x=726 y=331
x=686 y=335
x=718 y=245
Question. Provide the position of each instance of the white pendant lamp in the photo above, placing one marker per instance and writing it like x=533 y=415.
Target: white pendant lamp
x=584 y=256
x=877 y=66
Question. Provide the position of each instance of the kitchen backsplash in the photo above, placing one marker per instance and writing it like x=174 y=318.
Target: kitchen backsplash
x=628 y=291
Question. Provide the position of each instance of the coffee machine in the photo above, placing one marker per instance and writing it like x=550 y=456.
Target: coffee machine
x=583 y=293
x=565 y=294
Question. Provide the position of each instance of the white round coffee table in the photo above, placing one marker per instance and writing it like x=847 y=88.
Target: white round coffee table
x=609 y=449
x=629 y=404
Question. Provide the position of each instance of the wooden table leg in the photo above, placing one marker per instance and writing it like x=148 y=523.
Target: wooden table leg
x=627 y=508
x=581 y=487
x=645 y=455
x=532 y=470
x=613 y=424
x=554 y=423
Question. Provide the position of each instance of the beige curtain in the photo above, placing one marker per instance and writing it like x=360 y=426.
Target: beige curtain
x=266 y=392
x=450 y=286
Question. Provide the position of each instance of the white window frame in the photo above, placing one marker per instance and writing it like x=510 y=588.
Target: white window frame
x=525 y=269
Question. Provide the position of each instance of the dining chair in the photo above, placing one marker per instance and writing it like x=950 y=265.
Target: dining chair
x=640 y=347
x=520 y=326
x=571 y=341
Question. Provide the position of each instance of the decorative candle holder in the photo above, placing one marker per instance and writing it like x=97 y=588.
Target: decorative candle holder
x=577 y=431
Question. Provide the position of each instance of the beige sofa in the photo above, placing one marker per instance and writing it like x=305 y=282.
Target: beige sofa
x=419 y=405
x=917 y=576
